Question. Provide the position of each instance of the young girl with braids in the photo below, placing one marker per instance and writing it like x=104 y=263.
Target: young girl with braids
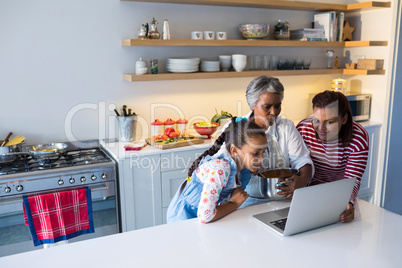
x=214 y=187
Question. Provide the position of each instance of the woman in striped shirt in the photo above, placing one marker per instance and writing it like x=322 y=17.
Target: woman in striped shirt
x=338 y=146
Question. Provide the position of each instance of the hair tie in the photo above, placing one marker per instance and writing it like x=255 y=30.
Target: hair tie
x=241 y=118
x=188 y=178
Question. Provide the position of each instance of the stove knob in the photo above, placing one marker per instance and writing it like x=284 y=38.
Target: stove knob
x=83 y=179
x=104 y=176
x=61 y=182
x=72 y=180
x=20 y=188
x=93 y=177
x=7 y=189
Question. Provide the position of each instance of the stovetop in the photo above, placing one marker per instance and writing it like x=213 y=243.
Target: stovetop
x=26 y=163
x=72 y=157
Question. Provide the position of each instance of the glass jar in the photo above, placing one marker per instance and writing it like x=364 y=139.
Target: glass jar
x=282 y=30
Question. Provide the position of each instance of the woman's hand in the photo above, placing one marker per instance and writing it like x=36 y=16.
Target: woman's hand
x=348 y=214
x=289 y=185
x=238 y=197
x=294 y=182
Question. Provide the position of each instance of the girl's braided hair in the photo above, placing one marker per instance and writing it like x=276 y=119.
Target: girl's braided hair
x=237 y=133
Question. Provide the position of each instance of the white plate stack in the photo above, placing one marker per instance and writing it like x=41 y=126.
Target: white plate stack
x=210 y=66
x=183 y=65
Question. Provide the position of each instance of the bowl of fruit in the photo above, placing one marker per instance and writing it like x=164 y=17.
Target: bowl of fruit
x=205 y=129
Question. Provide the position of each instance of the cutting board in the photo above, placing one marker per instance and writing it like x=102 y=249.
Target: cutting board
x=171 y=145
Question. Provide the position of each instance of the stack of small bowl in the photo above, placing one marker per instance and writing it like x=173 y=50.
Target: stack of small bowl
x=183 y=65
x=210 y=66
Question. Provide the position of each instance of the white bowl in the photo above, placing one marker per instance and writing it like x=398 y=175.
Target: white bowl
x=239 y=65
x=140 y=71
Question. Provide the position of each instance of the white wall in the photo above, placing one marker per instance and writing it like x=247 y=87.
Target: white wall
x=58 y=57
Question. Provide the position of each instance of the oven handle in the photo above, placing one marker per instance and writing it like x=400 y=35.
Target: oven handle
x=103 y=187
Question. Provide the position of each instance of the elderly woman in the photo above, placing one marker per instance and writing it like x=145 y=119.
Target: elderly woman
x=338 y=145
x=285 y=145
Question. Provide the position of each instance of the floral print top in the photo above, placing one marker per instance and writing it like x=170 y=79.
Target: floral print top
x=214 y=174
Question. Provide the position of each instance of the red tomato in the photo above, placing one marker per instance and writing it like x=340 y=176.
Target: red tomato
x=168 y=130
x=173 y=134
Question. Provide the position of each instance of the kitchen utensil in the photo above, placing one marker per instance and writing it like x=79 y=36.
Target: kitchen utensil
x=182 y=125
x=330 y=55
x=196 y=35
x=269 y=179
x=46 y=151
x=225 y=62
x=282 y=30
x=278 y=173
x=6 y=139
x=209 y=35
x=153 y=32
x=127 y=127
x=157 y=128
x=239 y=62
x=265 y=62
x=221 y=36
x=208 y=131
x=154 y=66
x=141 y=67
x=306 y=64
x=166 y=30
x=254 y=31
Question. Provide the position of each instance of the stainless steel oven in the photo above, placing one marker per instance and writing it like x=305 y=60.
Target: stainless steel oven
x=85 y=166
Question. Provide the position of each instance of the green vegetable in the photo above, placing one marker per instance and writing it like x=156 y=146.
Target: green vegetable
x=217 y=117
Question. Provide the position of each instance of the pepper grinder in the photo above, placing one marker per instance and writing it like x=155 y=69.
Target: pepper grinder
x=153 y=33
x=166 y=30
x=330 y=55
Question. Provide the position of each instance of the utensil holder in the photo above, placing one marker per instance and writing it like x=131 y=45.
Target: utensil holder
x=127 y=127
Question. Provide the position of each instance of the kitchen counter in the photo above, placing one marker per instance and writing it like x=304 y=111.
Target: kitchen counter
x=373 y=239
x=116 y=149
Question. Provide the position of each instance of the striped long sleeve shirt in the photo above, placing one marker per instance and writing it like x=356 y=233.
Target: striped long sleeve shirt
x=334 y=162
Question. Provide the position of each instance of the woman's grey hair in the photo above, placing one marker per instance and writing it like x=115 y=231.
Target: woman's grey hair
x=260 y=85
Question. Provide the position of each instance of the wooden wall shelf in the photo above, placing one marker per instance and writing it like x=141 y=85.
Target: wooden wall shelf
x=248 y=43
x=286 y=5
x=362 y=72
x=218 y=75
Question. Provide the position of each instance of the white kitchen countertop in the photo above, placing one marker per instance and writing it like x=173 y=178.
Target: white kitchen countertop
x=117 y=150
x=373 y=239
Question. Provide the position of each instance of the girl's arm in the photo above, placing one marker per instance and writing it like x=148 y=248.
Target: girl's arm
x=237 y=198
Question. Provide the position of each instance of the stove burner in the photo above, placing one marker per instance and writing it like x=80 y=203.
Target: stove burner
x=79 y=157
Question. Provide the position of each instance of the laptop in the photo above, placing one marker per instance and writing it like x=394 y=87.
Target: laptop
x=311 y=207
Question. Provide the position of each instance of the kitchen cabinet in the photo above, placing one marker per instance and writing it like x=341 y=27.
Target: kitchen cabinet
x=148 y=183
x=286 y=5
x=367 y=186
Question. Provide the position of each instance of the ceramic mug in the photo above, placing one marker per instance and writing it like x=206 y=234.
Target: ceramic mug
x=209 y=35
x=221 y=35
x=196 y=35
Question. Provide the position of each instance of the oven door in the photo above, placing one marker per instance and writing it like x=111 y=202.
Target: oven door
x=15 y=236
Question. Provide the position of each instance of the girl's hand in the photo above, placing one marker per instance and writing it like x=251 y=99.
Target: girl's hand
x=348 y=214
x=238 y=197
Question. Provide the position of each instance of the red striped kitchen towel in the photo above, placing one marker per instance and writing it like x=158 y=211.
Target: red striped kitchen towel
x=58 y=216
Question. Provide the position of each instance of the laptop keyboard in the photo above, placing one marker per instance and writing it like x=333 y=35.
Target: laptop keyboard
x=280 y=223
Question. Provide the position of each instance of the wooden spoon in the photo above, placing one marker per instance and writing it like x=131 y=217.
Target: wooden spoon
x=6 y=140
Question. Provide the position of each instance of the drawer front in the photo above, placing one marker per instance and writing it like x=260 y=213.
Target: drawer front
x=179 y=160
